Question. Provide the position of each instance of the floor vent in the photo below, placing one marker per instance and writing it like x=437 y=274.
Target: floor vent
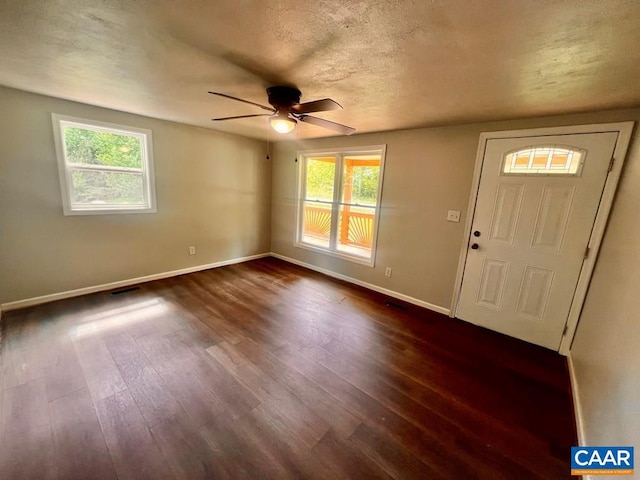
x=396 y=305
x=120 y=291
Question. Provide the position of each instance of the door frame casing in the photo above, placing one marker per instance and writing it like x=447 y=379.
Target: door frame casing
x=624 y=131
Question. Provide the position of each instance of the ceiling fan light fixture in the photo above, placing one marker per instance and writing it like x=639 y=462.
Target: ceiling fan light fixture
x=281 y=122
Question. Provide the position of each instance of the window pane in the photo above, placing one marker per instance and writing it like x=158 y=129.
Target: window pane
x=360 y=177
x=106 y=188
x=355 y=230
x=316 y=224
x=559 y=160
x=540 y=159
x=343 y=184
x=522 y=160
x=543 y=161
x=320 y=175
x=94 y=147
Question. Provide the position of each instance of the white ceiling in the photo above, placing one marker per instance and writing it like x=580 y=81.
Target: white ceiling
x=391 y=64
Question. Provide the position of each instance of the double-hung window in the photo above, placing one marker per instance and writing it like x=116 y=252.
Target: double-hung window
x=339 y=201
x=104 y=168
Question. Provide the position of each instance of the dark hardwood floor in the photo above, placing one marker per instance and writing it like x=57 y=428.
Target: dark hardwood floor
x=268 y=370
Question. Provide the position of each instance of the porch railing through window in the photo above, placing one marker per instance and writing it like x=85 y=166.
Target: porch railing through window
x=357 y=230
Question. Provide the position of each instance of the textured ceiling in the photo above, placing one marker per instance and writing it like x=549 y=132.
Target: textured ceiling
x=391 y=64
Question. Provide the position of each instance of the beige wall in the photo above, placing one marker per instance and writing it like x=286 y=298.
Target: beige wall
x=606 y=348
x=428 y=172
x=213 y=192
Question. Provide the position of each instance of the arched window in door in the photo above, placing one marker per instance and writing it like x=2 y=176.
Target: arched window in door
x=544 y=160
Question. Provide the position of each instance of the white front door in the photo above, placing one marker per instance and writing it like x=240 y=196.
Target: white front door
x=535 y=210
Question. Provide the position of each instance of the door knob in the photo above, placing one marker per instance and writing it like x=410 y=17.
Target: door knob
x=476 y=233
x=475 y=246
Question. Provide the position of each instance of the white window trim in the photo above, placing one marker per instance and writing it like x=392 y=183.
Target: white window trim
x=339 y=153
x=64 y=170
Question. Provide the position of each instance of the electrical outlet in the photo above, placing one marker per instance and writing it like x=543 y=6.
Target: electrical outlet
x=192 y=250
x=387 y=272
x=453 y=216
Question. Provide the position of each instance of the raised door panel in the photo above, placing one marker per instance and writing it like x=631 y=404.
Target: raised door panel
x=534 y=292
x=492 y=282
x=506 y=211
x=552 y=217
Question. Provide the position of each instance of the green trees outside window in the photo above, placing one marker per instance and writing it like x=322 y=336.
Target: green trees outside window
x=122 y=185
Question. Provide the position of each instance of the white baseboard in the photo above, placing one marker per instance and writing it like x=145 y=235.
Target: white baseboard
x=577 y=407
x=370 y=286
x=122 y=283
x=582 y=440
x=576 y=401
x=28 y=302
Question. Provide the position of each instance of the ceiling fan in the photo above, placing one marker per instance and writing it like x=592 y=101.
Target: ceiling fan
x=286 y=110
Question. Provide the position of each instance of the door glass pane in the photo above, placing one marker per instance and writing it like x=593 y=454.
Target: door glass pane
x=316 y=223
x=319 y=177
x=545 y=160
x=355 y=230
x=540 y=159
x=559 y=160
x=360 y=177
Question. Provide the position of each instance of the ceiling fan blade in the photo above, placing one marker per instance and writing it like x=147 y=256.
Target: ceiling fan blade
x=316 y=106
x=243 y=101
x=242 y=116
x=321 y=122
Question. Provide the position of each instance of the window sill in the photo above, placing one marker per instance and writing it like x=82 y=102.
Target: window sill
x=108 y=211
x=369 y=262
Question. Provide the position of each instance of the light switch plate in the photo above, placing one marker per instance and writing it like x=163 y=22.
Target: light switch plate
x=453 y=216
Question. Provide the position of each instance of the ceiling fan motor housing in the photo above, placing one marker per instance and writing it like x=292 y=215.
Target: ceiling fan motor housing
x=283 y=98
